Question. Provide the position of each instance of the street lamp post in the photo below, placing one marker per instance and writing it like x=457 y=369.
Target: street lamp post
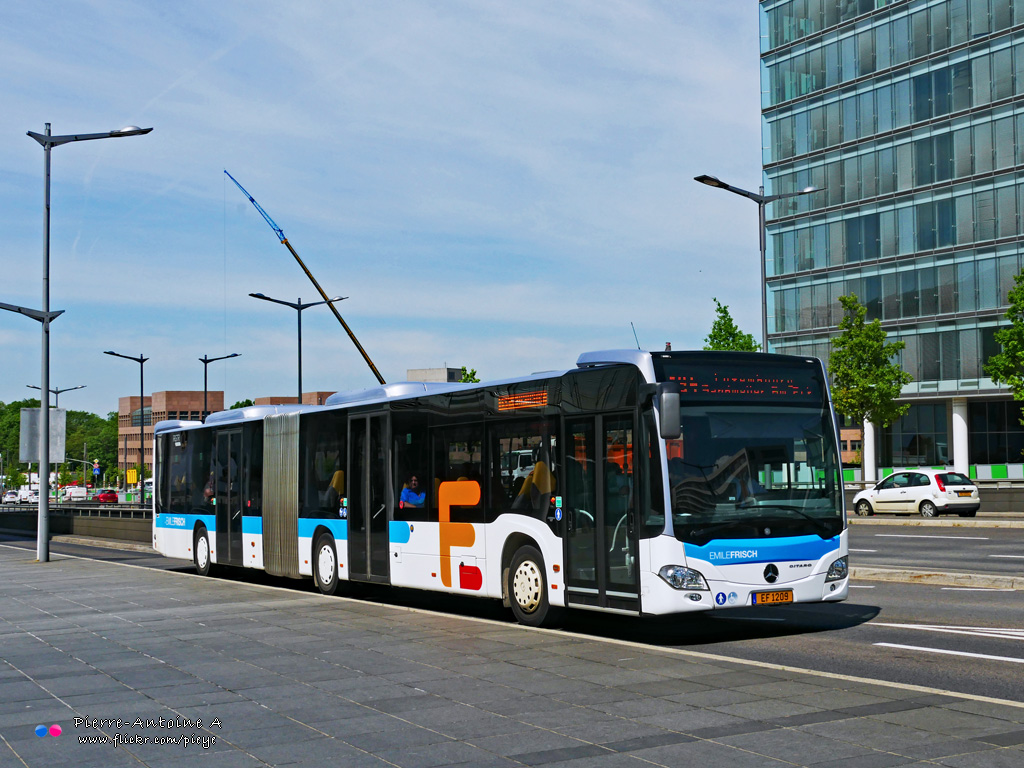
x=206 y=361
x=298 y=307
x=762 y=201
x=142 y=423
x=47 y=141
x=56 y=392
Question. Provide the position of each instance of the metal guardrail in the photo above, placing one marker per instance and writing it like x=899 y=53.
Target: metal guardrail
x=86 y=509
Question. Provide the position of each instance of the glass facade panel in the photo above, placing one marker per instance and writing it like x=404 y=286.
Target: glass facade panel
x=911 y=215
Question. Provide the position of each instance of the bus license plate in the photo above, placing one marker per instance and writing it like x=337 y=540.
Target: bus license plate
x=772 y=598
x=963 y=493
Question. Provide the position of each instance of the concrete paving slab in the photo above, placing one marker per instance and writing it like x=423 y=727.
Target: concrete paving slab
x=293 y=678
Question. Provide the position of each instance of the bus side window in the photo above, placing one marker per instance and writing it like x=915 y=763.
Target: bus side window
x=412 y=457
x=458 y=456
x=524 y=466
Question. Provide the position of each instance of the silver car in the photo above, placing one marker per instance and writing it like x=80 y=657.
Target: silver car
x=927 y=492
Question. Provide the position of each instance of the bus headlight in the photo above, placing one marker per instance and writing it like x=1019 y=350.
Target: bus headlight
x=838 y=570
x=679 y=577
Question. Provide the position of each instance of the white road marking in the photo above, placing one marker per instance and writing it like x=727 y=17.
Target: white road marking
x=863 y=550
x=915 y=536
x=1012 y=557
x=861 y=586
x=1003 y=633
x=1011 y=659
x=976 y=589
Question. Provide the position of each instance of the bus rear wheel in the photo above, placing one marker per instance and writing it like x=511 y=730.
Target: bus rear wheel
x=201 y=551
x=325 y=565
x=528 y=590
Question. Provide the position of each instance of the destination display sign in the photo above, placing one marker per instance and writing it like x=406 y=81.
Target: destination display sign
x=726 y=381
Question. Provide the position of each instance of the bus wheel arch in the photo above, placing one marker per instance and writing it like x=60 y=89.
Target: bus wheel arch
x=525 y=584
x=324 y=561
x=201 y=553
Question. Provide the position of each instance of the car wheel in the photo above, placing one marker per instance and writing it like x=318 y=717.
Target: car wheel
x=201 y=551
x=928 y=509
x=528 y=590
x=863 y=509
x=325 y=565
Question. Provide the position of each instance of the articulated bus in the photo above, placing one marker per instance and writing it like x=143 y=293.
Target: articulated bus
x=658 y=483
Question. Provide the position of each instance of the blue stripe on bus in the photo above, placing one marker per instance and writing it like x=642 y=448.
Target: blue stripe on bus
x=184 y=522
x=398 y=532
x=763 y=550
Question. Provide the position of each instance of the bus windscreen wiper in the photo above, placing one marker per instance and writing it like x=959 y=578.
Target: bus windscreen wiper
x=820 y=524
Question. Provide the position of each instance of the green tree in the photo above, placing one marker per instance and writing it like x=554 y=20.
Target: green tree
x=88 y=436
x=241 y=404
x=725 y=335
x=1007 y=366
x=468 y=377
x=865 y=381
x=15 y=480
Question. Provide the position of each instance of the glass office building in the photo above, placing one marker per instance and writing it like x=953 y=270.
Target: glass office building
x=908 y=116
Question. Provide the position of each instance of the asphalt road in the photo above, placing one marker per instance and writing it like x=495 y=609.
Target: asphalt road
x=994 y=551
x=944 y=638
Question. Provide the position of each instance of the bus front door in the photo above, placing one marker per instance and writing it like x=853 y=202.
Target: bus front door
x=228 y=495
x=369 y=505
x=600 y=505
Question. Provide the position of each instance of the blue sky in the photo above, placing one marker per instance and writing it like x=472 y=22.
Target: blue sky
x=496 y=185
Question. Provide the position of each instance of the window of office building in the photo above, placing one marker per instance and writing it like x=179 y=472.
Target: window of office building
x=996 y=434
x=917 y=439
x=903 y=35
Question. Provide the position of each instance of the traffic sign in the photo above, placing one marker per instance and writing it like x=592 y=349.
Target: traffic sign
x=133 y=476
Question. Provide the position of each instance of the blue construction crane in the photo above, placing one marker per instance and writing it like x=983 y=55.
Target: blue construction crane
x=284 y=241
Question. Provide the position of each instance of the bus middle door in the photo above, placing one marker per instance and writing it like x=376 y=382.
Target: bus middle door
x=601 y=553
x=228 y=490
x=369 y=498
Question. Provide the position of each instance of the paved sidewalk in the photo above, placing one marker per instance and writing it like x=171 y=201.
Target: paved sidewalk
x=281 y=677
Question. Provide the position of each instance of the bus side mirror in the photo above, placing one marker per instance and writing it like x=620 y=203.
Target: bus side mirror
x=668 y=408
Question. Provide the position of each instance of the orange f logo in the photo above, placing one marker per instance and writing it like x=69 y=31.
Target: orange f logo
x=455 y=493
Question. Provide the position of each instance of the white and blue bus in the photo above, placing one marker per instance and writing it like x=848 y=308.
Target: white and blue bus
x=661 y=482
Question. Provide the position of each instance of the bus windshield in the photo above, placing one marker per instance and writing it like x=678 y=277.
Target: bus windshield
x=757 y=454
x=749 y=471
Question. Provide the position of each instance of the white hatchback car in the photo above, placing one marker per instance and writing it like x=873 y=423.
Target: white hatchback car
x=928 y=492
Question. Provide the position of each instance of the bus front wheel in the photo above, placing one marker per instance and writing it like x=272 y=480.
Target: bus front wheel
x=528 y=590
x=201 y=551
x=325 y=565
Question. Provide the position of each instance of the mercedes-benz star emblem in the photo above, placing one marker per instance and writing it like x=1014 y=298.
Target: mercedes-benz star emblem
x=771 y=573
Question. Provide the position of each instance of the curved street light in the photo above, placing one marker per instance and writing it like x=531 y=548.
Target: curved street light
x=298 y=306
x=206 y=361
x=47 y=141
x=142 y=424
x=56 y=392
x=762 y=201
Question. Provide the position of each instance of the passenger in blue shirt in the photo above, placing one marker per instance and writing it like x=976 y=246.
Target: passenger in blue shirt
x=411 y=495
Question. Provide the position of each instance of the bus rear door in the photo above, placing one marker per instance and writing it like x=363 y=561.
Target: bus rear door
x=369 y=503
x=228 y=488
